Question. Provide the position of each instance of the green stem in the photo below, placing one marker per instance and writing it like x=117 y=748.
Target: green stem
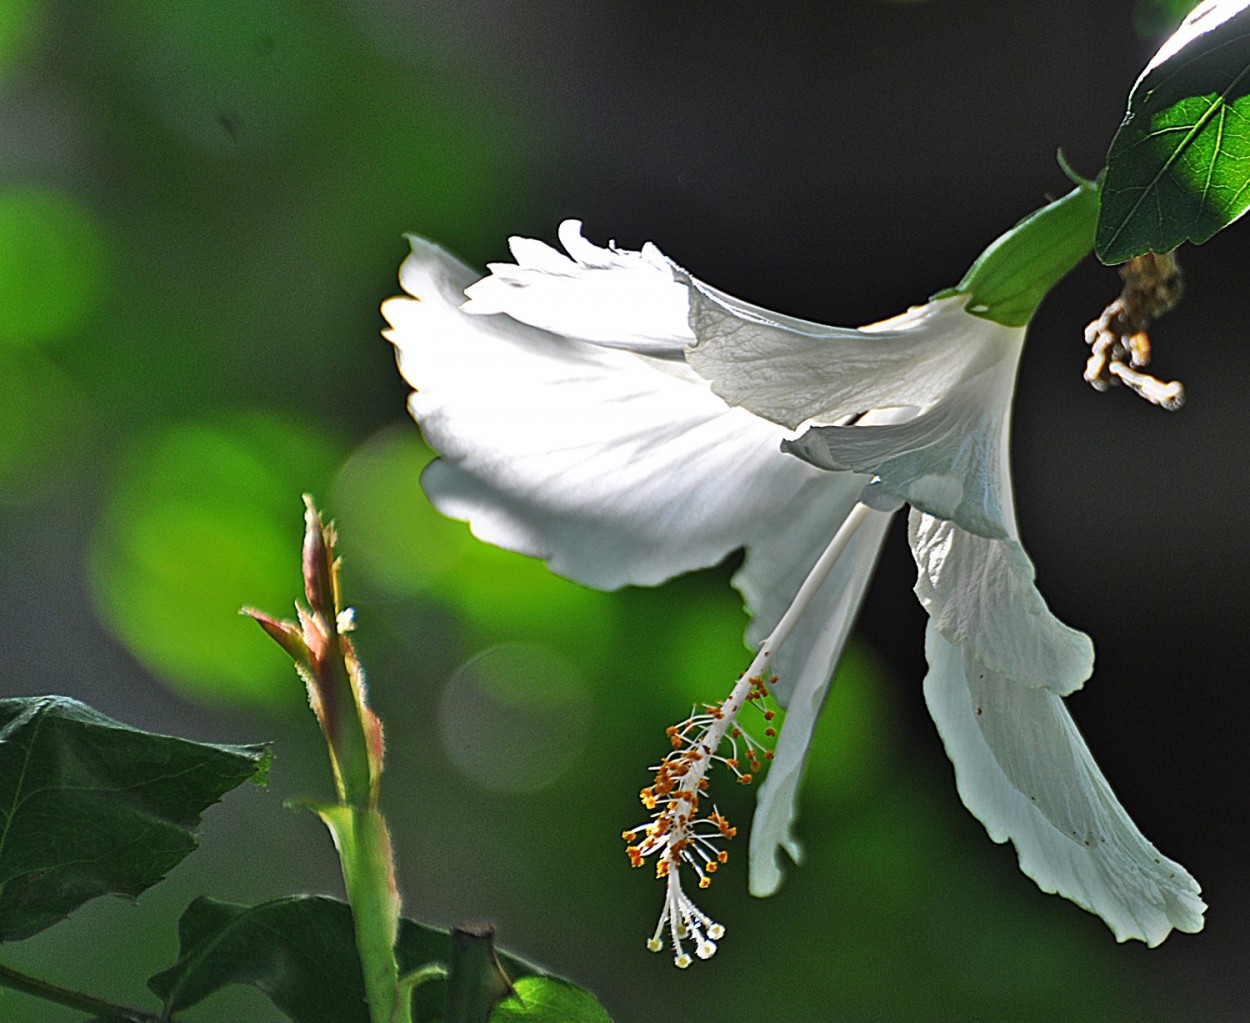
x=354 y=736
x=368 y=874
x=73 y=999
x=409 y=982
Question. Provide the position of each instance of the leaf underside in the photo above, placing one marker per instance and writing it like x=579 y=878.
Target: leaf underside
x=92 y=807
x=1179 y=166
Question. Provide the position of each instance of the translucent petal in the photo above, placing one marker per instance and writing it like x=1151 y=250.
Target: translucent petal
x=610 y=296
x=980 y=594
x=804 y=665
x=791 y=371
x=779 y=561
x=613 y=467
x=1024 y=771
x=949 y=461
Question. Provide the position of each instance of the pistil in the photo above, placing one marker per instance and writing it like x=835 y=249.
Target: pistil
x=676 y=833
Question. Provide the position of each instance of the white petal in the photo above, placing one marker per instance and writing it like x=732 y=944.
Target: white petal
x=980 y=595
x=791 y=371
x=804 y=665
x=613 y=467
x=949 y=461
x=1023 y=769
x=611 y=296
x=778 y=561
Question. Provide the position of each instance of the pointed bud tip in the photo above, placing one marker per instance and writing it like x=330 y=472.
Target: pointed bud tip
x=320 y=567
x=286 y=634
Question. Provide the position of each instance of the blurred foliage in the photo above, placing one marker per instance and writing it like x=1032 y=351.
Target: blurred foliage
x=1159 y=17
x=51 y=265
x=51 y=271
x=400 y=544
x=43 y=420
x=18 y=23
x=191 y=257
x=201 y=523
x=241 y=75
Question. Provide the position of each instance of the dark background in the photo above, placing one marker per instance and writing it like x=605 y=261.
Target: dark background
x=200 y=210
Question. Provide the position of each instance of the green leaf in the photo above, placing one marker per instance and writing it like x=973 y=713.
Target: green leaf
x=301 y=952
x=548 y=1000
x=92 y=807
x=1152 y=18
x=1179 y=166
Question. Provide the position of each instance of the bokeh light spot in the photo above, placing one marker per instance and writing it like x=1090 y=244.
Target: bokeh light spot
x=398 y=541
x=205 y=519
x=503 y=595
x=515 y=717
x=51 y=263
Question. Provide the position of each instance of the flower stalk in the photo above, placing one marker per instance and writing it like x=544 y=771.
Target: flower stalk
x=319 y=644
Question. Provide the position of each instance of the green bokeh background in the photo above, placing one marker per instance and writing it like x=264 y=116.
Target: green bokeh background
x=201 y=207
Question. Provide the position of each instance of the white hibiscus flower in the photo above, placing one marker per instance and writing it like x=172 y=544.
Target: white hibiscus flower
x=612 y=415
